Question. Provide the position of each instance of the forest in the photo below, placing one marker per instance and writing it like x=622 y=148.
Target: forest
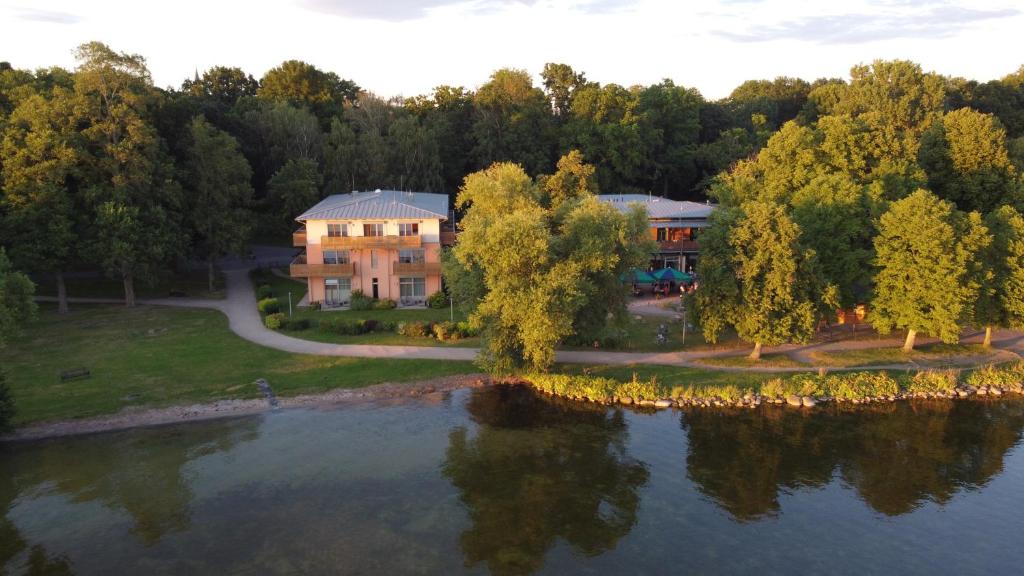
x=817 y=180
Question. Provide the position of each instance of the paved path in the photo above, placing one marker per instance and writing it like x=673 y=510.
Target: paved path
x=244 y=320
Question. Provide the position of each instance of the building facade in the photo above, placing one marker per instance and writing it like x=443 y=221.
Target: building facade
x=674 y=225
x=385 y=243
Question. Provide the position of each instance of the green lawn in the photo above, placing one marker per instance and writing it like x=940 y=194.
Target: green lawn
x=931 y=355
x=152 y=356
x=777 y=360
x=193 y=283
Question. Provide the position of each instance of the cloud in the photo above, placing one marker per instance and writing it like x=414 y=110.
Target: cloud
x=404 y=10
x=51 y=16
x=920 y=19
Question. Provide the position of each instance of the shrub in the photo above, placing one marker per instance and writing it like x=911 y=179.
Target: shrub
x=773 y=388
x=269 y=306
x=466 y=330
x=274 y=321
x=414 y=329
x=859 y=385
x=437 y=300
x=295 y=324
x=386 y=326
x=385 y=304
x=639 y=389
x=264 y=292
x=343 y=326
x=931 y=381
x=580 y=386
x=445 y=331
x=1001 y=376
x=360 y=301
x=6 y=405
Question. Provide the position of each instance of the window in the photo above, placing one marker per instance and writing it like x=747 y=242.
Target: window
x=336 y=257
x=373 y=259
x=337 y=291
x=662 y=234
x=408 y=229
x=373 y=229
x=411 y=256
x=337 y=230
x=412 y=287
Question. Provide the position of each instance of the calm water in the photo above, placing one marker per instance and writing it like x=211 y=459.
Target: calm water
x=501 y=481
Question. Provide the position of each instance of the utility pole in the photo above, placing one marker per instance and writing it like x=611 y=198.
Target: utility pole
x=289 y=303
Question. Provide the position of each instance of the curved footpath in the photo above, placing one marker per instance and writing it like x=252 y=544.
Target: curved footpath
x=244 y=319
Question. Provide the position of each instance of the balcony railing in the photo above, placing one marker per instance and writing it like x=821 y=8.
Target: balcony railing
x=357 y=242
x=299 y=268
x=299 y=238
x=415 y=268
x=448 y=238
x=677 y=246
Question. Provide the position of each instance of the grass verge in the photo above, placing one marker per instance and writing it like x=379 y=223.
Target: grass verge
x=152 y=356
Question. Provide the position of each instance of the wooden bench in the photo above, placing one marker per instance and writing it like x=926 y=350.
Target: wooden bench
x=73 y=374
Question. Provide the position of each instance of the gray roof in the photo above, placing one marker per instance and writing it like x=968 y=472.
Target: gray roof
x=379 y=204
x=658 y=207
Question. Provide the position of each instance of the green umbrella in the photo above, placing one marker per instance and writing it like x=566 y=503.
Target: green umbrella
x=671 y=274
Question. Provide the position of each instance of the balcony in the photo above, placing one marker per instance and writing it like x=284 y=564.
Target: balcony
x=299 y=238
x=300 y=269
x=677 y=246
x=359 y=242
x=448 y=238
x=415 y=268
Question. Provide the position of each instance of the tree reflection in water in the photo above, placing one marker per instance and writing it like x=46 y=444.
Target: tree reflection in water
x=896 y=456
x=139 y=472
x=539 y=469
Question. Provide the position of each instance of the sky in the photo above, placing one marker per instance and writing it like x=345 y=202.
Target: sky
x=407 y=47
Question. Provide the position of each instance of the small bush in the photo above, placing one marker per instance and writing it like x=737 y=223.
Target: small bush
x=446 y=331
x=639 y=389
x=414 y=329
x=931 y=381
x=6 y=405
x=466 y=330
x=385 y=304
x=1001 y=376
x=274 y=321
x=437 y=300
x=264 y=292
x=343 y=326
x=360 y=301
x=859 y=385
x=386 y=326
x=268 y=306
x=295 y=324
x=773 y=388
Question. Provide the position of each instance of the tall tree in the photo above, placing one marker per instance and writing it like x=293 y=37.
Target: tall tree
x=546 y=253
x=1000 y=273
x=128 y=175
x=16 y=303
x=925 y=282
x=777 y=293
x=38 y=157
x=513 y=122
x=222 y=83
x=965 y=156
x=293 y=189
x=303 y=84
x=218 y=193
x=561 y=83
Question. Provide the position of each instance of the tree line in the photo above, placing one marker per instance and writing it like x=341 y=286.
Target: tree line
x=900 y=194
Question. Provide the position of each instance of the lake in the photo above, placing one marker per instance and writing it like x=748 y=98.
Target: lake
x=500 y=480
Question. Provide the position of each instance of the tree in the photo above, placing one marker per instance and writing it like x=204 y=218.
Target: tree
x=999 y=272
x=38 y=160
x=341 y=158
x=561 y=83
x=218 y=193
x=16 y=308
x=513 y=122
x=545 y=252
x=128 y=175
x=223 y=84
x=925 y=283
x=302 y=84
x=777 y=292
x=965 y=156
x=293 y=189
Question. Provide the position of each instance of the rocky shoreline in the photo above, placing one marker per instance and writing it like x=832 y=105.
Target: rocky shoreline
x=754 y=399
x=138 y=417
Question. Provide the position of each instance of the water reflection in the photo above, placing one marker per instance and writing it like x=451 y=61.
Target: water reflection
x=138 y=473
x=537 y=470
x=895 y=456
